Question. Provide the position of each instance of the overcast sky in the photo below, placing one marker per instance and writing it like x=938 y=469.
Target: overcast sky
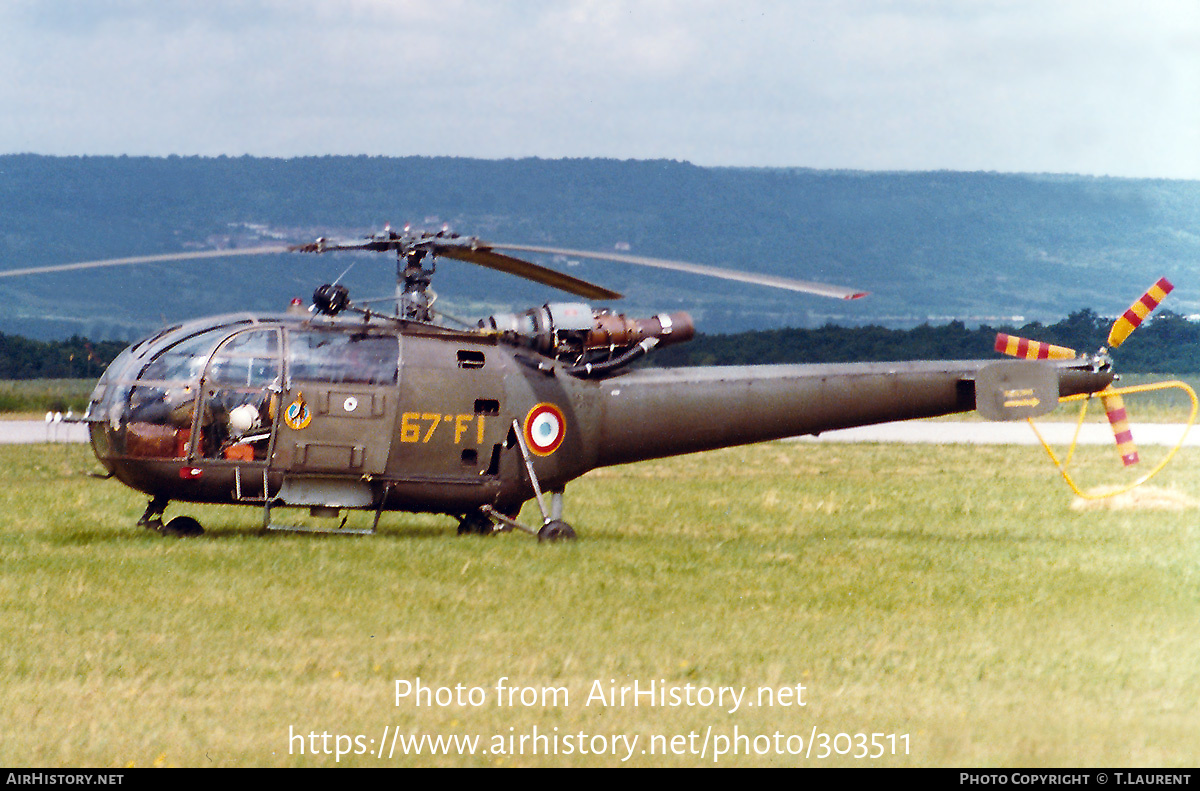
x=1104 y=87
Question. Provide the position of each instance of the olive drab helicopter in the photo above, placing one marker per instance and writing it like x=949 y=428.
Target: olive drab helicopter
x=338 y=406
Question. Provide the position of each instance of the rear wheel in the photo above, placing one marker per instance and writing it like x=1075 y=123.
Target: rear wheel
x=556 y=530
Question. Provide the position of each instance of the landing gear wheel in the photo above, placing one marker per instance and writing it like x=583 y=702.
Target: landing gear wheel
x=182 y=527
x=556 y=530
x=475 y=524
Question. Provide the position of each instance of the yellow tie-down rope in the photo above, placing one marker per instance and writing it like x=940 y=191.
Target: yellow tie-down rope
x=1085 y=398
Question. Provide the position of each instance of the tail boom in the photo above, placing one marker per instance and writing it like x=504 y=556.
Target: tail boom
x=655 y=413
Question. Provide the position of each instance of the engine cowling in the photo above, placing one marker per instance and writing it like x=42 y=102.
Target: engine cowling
x=578 y=334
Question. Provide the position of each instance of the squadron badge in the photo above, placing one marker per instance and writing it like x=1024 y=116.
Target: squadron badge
x=297 y=415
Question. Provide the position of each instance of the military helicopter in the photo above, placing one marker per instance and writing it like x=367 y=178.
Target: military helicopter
x=337 y=406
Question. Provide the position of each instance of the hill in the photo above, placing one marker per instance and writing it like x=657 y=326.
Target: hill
x=930 y=247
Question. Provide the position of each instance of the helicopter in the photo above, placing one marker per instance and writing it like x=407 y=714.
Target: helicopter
x=337 y=407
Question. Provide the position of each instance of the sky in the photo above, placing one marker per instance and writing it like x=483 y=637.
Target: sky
x=1098 y=87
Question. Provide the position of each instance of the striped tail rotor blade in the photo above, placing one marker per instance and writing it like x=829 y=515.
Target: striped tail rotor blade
x=1114 y=410
x=1031 y=350
x=1138 y=312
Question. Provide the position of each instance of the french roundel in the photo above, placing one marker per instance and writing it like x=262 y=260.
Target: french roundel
x=545 y=428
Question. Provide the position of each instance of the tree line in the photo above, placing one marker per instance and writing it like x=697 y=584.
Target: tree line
x=73 y=358
x=1168 y=343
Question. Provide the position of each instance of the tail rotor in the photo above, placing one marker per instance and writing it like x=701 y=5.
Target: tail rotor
x=1114 y=410
x=1138 y=311
x=1114 y=405
x=1026 y=349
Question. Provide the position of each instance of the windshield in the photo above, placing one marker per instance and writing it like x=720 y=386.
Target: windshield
x=150 y=399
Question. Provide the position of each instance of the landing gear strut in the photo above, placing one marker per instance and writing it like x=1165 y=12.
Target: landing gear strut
x=179 y=527
x=553 y=527
x=476 y=523
x=152 y=516
x=487 y=520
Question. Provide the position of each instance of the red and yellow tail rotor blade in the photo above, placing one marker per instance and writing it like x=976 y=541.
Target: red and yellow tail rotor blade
x=1031 y=350
x=1138 y=312
x=1114 y=410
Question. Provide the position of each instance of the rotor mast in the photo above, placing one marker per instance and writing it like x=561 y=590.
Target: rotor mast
x=414 y=297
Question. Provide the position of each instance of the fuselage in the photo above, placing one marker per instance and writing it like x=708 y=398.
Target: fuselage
x=397 y=415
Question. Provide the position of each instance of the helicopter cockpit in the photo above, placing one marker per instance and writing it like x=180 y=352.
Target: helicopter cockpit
x=207 y=389
x=212 y=389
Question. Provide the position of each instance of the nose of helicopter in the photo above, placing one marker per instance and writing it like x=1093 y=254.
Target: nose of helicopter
x=149 y=404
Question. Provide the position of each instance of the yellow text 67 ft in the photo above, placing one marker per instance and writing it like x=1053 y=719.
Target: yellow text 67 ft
x=421 y=426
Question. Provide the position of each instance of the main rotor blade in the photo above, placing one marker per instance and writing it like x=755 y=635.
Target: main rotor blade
x=142 y=259
x=484 y=256
x=466 y=249
x=820 y=289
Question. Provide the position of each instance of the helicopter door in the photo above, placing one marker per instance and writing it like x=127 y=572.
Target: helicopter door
x=240 y=398
x=339 y=402
x=450 y=427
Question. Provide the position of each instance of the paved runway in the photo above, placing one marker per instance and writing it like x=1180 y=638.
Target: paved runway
x=24 y=432
x=930 y=431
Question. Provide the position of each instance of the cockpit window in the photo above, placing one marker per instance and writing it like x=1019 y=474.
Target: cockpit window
x=141 y=345
x=340 y=357
x=185 y=360
x=247 y=360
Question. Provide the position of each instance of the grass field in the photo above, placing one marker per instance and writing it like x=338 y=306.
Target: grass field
x=32 y=398
x=948 y=603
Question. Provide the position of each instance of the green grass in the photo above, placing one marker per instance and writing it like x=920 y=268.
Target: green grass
x=951 y=594
x=1159 y=406
x=34 y=397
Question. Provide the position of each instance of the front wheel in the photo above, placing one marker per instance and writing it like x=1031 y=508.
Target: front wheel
x=182 y=527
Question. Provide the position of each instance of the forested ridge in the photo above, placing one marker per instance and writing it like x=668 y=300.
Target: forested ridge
x=74 y=358
x=1168 y=343
x=929 y=247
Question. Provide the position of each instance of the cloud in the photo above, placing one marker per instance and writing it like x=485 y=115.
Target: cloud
x=1068 y=86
